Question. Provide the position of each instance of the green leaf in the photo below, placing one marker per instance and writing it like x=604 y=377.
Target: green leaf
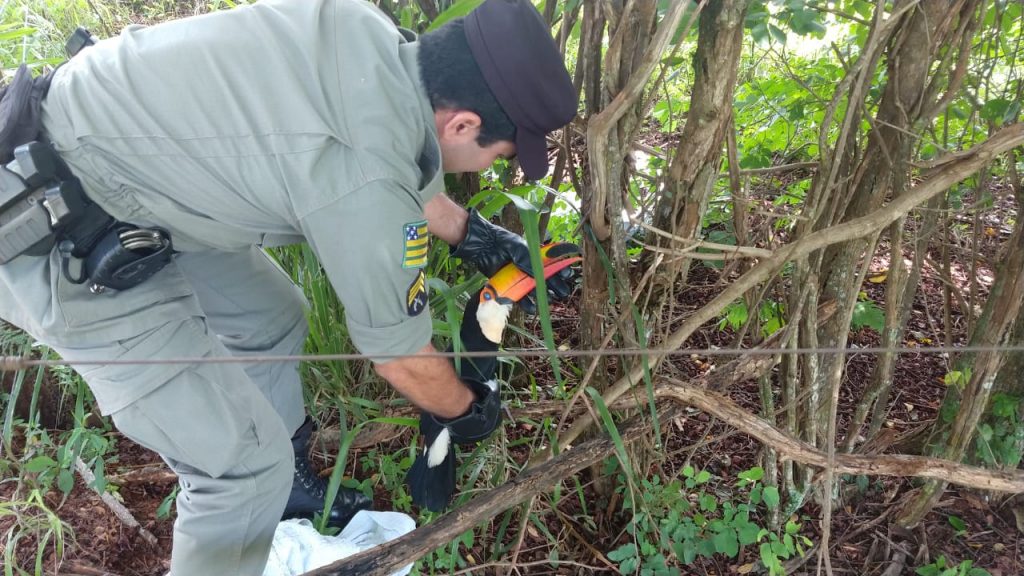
x=686 y=551
x=727 y=543
x=708 y=503
x=65 y=481
x=16 y=33
x=779 y=549
x=868 y=314
x=747 y=533
x=456 y=10
x=760 y=33
x=623 y=552
x=957 y=523
x=164 y=510
x=995 y=110
x=99 y=473
x=767 y=556
x=1004 y=405
x=777 y=33
x=755 y=474
x=771 y=496
x=703 y=476
x=40 y=464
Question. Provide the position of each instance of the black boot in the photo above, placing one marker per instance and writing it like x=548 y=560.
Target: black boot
x=309 y=490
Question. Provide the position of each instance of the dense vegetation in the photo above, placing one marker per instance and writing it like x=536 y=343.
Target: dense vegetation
x=762 y=189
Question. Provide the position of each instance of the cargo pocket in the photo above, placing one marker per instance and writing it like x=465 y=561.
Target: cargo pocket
x=120 y=314
x=203 y=415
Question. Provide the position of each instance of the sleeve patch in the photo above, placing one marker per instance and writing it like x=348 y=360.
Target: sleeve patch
x=416 y=244
x=416 y=298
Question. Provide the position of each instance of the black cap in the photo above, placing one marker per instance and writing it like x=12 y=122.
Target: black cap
x=512 y=46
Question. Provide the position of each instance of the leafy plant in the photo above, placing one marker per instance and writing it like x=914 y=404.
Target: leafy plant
x=999 y=440
x=31 y=520
x=940 y=568
x=163 y=511
x=867 y=314
x=685 y=517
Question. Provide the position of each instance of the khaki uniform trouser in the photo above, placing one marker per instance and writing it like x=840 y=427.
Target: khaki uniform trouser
x=224 y=428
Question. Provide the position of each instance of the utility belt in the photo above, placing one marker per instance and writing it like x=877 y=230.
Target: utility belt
x=42 y=203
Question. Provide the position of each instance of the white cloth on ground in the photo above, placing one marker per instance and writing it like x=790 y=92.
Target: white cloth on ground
x=299 y=548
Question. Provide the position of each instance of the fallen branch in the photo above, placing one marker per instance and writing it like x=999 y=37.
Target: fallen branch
x=76 y=568
x=799 y=451
x=116 y=507
x=393 y=555
x=156 y=474
x=389 y=557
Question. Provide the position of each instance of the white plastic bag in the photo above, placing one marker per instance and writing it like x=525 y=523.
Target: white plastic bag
x=299 y=548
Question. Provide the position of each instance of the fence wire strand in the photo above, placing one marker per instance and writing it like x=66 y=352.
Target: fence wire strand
x=15 y=363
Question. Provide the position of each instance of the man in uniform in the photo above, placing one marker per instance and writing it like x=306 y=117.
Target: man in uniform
x=275 y=123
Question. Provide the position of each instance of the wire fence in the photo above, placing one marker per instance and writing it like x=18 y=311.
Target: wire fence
x=15 y=363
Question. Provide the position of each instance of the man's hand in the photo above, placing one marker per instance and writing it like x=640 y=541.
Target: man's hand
x=431 y=479
x=490 y=247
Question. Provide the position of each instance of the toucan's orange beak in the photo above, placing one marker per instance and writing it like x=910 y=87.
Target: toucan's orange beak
x=510 y=284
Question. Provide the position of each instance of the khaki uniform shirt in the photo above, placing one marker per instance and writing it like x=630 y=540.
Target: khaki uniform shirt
x=267 y=124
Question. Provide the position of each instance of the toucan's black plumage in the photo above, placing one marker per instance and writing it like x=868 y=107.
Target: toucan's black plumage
x=431 y=479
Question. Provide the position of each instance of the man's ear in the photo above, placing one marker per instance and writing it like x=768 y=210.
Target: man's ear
x=457 y=125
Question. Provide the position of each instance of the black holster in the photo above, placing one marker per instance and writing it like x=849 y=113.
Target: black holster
x=42 y=203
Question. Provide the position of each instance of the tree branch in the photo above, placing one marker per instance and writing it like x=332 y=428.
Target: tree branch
x=933 y=182
x=600 y=125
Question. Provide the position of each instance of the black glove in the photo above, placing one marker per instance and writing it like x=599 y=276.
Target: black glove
x=431 y=479
x=490 y=247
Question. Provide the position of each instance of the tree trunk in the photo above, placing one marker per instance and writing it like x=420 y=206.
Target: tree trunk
x=992 y=329
x=694 y=168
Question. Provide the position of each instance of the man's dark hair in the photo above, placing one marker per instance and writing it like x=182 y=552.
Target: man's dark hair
x=453 y=80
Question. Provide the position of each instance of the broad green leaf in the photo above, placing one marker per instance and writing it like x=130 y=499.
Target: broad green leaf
x=755 y=474
x=957 y=523
x=456 y=10
x=727 y=543
x=40 y=464
x=747 y=533
x=995 y=110
x=65 y=481
x=622 y=552
x=868 y=314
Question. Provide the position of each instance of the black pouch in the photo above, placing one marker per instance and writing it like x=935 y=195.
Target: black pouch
x=20 y=101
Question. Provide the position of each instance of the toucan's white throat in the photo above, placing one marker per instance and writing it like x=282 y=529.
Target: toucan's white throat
x=493 y=317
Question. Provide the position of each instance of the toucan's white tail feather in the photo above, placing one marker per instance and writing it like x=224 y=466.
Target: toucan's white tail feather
x=439 y=449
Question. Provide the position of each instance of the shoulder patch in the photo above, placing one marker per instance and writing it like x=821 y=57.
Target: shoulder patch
x=416 y=244
x=416 y=298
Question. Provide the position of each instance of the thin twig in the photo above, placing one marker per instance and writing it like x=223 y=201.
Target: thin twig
x=116 y=507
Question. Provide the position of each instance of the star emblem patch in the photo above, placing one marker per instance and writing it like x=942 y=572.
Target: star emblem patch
x=416 y=245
